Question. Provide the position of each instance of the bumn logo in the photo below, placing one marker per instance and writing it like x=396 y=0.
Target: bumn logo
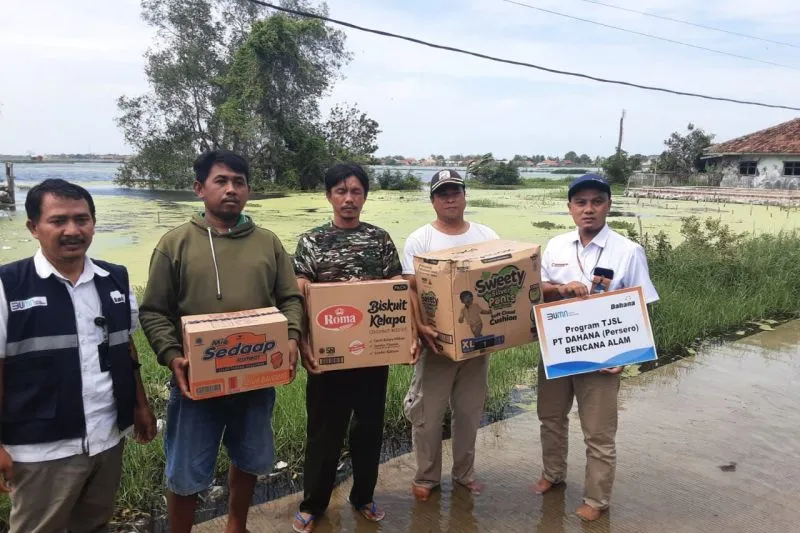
x=339 y=317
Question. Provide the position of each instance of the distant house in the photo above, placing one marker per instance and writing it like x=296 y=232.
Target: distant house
x=548 y=163
x=768 y=158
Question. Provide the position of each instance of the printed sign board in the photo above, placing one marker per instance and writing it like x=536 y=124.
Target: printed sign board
x=588 y=334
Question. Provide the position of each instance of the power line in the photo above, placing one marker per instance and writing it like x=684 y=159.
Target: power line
x=513 y=62
x=689 y=23
x=648 y=35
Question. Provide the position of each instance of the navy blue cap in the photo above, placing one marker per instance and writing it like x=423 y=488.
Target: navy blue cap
x=588 y=181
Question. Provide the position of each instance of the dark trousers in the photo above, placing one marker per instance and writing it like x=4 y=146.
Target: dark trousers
x=331 y=399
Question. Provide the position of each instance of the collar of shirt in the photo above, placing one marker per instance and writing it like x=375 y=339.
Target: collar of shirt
x=45 y=269
x=600 y=240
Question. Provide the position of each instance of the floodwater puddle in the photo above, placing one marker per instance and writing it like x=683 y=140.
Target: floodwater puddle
x=706 y=444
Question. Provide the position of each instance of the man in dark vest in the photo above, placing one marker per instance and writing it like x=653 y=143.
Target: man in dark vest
x=70 y=387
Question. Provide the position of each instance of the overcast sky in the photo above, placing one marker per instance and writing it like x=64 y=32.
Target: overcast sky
x=64 y=64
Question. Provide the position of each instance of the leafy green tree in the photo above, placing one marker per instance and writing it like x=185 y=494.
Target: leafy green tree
x=684 y=150
x=225 y=75
x=177 y=118
x=491 y=172
x=274 y=84
x=584 y=159
x=571 y=156
x=620 y=166
x=351 y=134
x=395 y=180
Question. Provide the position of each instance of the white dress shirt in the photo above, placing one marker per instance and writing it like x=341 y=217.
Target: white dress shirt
x=99 y=406
x=565 y=260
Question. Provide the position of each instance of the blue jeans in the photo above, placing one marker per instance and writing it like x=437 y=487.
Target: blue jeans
x=243 y=422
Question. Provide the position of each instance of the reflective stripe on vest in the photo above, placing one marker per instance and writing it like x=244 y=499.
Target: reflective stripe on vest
x=41 y=344
x=119 y=337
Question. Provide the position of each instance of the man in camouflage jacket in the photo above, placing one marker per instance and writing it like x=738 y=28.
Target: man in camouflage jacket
x=345 y=249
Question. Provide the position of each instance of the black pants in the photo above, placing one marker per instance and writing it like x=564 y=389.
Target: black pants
x=331 y=399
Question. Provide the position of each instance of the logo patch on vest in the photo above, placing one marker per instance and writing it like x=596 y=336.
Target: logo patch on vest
x=117 y=297
x=22 y=305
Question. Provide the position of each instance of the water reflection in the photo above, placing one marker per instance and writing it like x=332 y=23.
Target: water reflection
x=459 y=505
x=553 y=511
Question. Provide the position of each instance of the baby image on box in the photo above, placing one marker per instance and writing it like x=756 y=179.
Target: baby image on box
x=471 y=312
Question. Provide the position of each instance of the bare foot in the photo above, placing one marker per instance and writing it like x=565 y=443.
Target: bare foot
x=420 y=492
x=543 y=485
x=588 y=513
x=474 y=487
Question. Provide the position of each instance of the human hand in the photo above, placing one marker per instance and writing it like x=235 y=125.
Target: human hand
x=144 y=424
x=573 y=289
x=613 y=371
x=6 y=469
x=429 y=336
x=180 y=369
x=416 y=349
x=307 y=355
x=293 y=352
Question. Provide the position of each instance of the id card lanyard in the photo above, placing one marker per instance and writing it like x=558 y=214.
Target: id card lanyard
x=580 y=263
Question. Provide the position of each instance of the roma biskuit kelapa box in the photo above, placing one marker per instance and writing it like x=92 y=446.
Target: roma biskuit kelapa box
x=236 y=352
x=479 y=297
x=360 y=324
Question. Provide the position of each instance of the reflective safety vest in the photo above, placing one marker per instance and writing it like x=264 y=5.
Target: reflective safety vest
x=42 y=386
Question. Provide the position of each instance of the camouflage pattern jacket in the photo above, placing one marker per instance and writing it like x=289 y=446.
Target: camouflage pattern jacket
x=330 y=254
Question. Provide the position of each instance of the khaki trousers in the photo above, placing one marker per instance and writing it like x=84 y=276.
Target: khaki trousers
x=439 y=381
x=597 y=408
x=75 y=494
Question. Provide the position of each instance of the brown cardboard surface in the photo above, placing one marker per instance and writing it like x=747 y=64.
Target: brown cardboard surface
x=236 y=352
x=360 y=324
x=500 y=281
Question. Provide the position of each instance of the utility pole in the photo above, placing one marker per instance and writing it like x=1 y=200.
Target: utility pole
x=621 y=128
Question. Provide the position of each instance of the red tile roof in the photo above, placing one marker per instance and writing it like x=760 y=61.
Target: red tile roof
x=781 y=139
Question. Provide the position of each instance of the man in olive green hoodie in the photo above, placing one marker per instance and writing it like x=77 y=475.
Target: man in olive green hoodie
x=218 y=262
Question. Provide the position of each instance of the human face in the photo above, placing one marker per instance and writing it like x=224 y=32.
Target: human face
x=224 y=193
x=449 y=202
x=64 y=230
x=589 y=209
x=347 y=199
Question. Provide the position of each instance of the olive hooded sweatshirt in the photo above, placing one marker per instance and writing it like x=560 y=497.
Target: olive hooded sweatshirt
x=196 y=270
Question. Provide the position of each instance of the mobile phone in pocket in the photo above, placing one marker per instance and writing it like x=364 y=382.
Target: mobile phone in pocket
x=601 y=280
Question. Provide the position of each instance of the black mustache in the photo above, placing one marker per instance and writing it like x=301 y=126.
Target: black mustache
x=67 y=242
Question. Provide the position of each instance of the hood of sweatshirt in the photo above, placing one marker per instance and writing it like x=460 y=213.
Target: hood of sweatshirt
x=243 y=228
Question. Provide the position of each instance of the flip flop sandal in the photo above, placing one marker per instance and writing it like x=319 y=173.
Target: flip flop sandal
x=310 y=521
x=371 y=512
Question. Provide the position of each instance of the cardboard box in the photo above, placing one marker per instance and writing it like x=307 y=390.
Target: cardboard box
x=236 y=352
x=480 y=297
x=360 y=324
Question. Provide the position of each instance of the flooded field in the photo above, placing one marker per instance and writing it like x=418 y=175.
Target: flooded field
x=130 y=224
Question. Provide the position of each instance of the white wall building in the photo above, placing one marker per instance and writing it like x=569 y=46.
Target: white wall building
x=768 y=158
